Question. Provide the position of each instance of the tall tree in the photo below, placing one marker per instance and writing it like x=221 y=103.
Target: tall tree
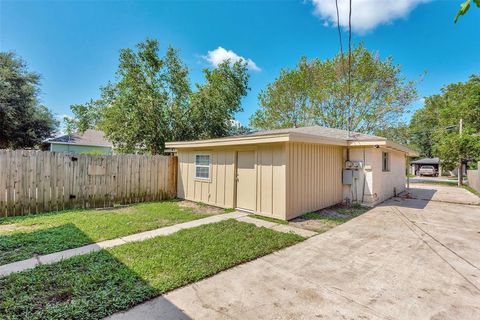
x=400 y=133
x=424 y=124
x=215 y=102
x=151 y=101
x=461 y=101
x=317 y=92
x=24 y=122
x=454 y=148
x=137 y=106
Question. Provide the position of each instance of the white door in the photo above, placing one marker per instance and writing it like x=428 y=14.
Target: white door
x=246 y=180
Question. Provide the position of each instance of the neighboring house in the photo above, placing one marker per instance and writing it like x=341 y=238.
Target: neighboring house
x=417 y=164
x=91 y=141
x=288 y=172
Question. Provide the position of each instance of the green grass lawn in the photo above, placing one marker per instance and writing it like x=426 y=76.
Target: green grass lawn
x=101 y=283
x=22 y=237
x=347 y=213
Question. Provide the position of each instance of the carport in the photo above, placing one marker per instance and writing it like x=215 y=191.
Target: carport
x=417 y=164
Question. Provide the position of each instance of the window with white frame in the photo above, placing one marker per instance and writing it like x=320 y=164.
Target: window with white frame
x=385 y=161
x=202 y=166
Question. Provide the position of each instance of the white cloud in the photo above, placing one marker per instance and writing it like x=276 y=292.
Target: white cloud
x=366 y=14
x=217 y=56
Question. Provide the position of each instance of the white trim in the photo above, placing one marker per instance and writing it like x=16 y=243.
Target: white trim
x=209 y=166
x=229 y=141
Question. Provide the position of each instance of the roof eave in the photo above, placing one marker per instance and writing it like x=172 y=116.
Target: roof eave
x=287 y=137
x=309 y=138
x=256 y=139
x=386 y=144
x=228 y=141
x=79 y=144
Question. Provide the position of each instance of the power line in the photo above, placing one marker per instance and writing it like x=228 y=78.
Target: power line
x=339 y=31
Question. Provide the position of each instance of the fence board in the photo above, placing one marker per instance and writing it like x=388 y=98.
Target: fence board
x=39 y=181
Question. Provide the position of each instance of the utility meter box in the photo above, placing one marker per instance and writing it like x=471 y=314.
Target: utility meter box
x=347 y=176
x=357 y=165
x=356 y=174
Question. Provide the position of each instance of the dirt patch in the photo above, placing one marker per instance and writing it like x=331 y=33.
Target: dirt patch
x=329 y=213
x=328 y=218
x=312 y=225
x=200 y=208
x=6 y=228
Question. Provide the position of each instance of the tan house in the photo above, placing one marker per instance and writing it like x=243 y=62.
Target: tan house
x=288 y=172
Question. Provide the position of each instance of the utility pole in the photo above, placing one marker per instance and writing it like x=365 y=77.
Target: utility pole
x=460 y=163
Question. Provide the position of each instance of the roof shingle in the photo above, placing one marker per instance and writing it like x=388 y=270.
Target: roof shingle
x=322 y=132
x=90 y=137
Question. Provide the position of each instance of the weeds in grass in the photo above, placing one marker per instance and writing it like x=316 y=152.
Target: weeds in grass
x=63 y=230
x=99 y=284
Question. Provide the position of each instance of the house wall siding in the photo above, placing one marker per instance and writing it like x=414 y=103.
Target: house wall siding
x=374 y=185
x=291 y=178
x=220 y=189
x=314 y=177
x=271 y=184
x=362 y=188
x=386 y=182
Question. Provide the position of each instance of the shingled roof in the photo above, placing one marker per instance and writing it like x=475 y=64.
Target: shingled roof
x=321 y=132
x=427 y=161
x=90 y=137
x=313 y=134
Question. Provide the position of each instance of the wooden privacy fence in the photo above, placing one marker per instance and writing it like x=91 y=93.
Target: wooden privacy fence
x=39 y=181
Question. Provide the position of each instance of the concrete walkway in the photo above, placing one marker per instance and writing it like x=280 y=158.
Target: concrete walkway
x=62 y=255
x=408 y=258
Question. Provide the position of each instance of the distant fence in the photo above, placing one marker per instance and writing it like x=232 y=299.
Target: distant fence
x=473 y=177
x=39 y=181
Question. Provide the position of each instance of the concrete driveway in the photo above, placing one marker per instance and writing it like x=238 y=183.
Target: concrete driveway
x=432 y=179
x=413 y=257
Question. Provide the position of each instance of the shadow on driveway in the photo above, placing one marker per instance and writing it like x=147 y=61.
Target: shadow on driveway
x=416 y=198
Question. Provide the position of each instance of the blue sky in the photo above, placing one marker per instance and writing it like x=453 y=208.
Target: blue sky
x=74 y=44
